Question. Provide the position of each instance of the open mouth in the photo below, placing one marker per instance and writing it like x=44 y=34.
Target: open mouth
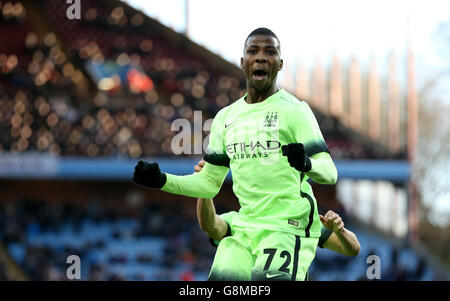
x=259 y=74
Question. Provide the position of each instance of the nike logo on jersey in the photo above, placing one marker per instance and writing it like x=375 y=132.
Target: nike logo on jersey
x=268 y=276
x=227 y=125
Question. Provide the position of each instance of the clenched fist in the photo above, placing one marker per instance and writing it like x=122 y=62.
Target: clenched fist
x=295 y=153
x=332 y=221
x=149 y=175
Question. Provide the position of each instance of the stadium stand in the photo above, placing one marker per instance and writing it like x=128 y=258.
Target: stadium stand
x=158 y=244
x=54 y=98
x=398 y=262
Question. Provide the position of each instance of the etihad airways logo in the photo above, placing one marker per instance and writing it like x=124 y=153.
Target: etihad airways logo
x=253 y=149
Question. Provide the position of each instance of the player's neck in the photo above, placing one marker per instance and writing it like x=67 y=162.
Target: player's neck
x=255 y=96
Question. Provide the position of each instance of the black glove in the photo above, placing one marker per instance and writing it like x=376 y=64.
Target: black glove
x=296 y=156
x=149 y=175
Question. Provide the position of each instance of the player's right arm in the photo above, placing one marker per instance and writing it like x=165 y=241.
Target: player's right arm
x=199 y=185
x=204 y=185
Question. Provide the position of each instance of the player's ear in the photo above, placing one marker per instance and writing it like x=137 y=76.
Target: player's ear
x=281 y=65
x=242 y=63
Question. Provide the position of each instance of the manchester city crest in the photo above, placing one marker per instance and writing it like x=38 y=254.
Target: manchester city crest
x=270 y=120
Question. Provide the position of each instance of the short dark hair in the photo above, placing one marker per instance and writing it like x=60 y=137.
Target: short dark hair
x=262 y=31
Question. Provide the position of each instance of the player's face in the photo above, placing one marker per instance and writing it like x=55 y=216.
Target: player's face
x=261 y=61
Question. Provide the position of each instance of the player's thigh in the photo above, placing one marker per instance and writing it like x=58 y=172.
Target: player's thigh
x=233 y=261
x=283 y=256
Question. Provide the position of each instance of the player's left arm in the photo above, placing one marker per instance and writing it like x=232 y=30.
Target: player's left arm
x=341 y=240
x=309 y=153
x=322 y=170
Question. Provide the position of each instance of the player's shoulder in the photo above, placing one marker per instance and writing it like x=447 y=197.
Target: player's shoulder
x=291 y=102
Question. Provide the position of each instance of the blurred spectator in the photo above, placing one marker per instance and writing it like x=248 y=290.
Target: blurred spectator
x=44 y=258
x=159 y=243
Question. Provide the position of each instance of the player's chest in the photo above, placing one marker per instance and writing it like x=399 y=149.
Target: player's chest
x=258 y=126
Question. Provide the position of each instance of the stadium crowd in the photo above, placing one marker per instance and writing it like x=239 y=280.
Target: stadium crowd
x=157 y=244
x=51 y=99
x=160 y=242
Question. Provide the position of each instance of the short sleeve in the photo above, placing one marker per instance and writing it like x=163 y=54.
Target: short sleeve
x=215 y=152
x=216 y=137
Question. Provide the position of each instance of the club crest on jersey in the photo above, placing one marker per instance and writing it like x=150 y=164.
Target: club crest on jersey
x=271 y=119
